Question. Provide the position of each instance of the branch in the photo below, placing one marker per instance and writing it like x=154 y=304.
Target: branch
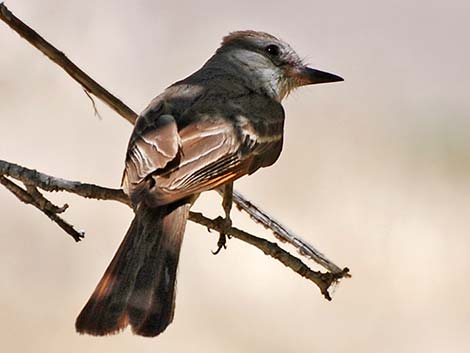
x=88 y=84
x=33 y=179
x=322 y=280
x=92 y=87
x=49 y=183
x=35 y=198
x=282 y=233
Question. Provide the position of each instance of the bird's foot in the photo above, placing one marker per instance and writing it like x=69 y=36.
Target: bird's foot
x=222 y=242
x=226 y=223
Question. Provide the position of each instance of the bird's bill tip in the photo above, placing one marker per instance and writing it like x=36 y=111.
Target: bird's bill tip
x=309 y=76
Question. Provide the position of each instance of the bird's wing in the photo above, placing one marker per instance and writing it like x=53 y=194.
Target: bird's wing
x=212 y=151
x=152 y=148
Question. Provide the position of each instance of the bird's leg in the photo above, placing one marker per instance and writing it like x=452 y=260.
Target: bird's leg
x=227 y=223
x=227 y=204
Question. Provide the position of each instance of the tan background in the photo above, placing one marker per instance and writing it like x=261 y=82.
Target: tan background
x=375 y=172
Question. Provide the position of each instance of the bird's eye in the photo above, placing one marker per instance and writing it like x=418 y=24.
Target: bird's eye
x=272 y=50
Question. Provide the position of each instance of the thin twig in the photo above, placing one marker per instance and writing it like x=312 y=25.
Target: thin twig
x=281 y=232
x=89 y=84
x=322 y=280
x=93 y=104
x=38 y=201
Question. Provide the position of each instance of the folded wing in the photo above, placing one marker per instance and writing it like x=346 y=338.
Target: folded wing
x=164 y=165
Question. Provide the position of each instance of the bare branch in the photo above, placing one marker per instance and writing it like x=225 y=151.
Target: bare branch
x=92 y=87
x=50 y=183
x=282 y=233
x=89 y=84
x=33 y=179
x=322 y=280
x=44 y=205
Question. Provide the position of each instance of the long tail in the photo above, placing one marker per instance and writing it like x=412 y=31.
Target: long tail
x=138 y=287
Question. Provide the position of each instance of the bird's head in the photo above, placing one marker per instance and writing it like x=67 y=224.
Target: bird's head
x=269 y=63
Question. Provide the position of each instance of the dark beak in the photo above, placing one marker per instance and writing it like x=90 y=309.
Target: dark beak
x=309 y=76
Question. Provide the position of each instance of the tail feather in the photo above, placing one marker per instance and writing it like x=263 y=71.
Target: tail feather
x=139 y=285
x=157 y=277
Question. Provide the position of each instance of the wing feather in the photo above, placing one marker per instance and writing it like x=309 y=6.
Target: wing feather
x=164 y=165
x=149 y=151
x=214 y=152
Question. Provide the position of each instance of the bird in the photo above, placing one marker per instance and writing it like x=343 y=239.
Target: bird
x=222 y=122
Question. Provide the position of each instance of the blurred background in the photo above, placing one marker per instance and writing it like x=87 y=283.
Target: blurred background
x=375 y=172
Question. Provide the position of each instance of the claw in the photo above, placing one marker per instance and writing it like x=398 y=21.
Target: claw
x=225 y=222
x=221 y=243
